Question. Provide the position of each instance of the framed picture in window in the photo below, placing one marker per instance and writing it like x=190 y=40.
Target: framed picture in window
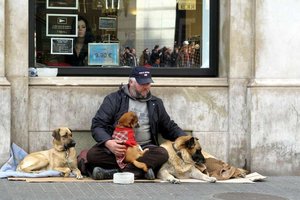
x=62 y=4
x=62 y=46
x=108 y=23
x=61 y=25
x=103 y=54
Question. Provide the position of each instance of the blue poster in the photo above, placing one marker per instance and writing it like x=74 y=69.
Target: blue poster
x=103 y=54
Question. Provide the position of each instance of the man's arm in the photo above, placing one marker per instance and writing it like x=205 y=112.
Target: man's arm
x=103 y=122
x=103 y=125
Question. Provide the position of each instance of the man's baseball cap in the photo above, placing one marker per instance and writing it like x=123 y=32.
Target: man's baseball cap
x=142 y=75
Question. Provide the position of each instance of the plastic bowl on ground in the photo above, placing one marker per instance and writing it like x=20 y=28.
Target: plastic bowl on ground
x=123 y=178
x=47 y=72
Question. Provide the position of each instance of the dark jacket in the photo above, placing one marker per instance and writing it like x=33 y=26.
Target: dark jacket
x=116 y=104
x=81 y=59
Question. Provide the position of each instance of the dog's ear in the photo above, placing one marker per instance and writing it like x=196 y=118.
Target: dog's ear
x=127 y=120
x=133 y=120
x=56 y=134
x=124 y=121
x=190 y=143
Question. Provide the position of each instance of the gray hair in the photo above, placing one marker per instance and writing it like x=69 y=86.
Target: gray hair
x=132 y=79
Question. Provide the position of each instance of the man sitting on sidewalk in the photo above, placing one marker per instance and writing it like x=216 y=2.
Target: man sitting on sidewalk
x=153 y=119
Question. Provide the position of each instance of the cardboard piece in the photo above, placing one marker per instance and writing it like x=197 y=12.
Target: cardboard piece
x=250 y=178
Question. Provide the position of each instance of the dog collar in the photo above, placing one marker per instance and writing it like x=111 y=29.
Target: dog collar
x=67 y=158
x=178 y=153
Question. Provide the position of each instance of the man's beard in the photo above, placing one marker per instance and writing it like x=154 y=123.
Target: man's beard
x=138 y=95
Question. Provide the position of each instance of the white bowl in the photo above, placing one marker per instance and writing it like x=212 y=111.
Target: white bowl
x=46 y=72
x=123 y=178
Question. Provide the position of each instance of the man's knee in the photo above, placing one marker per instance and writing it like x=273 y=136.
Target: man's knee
x=164 y=155
x=90 y=155
x=160 y=154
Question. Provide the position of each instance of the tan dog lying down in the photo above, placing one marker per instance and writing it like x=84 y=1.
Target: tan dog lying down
x=62 y=157
x=184 y=155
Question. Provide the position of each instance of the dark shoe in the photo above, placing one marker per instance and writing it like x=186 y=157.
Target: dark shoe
x=100 y=173
x=150 y=174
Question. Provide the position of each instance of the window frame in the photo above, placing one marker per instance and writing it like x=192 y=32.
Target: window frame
x=212 y=71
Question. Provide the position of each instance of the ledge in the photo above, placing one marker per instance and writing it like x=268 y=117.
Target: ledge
x=4 y=82
x=116 y=81
x=274 y=83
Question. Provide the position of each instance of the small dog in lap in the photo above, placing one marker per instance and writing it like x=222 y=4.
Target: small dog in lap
x=124 y=131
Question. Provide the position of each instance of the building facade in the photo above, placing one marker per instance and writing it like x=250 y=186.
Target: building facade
x=248 y=113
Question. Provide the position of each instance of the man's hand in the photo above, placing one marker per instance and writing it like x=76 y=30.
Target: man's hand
x=117 y=147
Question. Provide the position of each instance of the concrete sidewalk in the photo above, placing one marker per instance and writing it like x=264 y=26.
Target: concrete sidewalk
x=272 y=188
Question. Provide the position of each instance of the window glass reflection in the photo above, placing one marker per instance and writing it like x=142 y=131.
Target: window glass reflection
x=122 y=33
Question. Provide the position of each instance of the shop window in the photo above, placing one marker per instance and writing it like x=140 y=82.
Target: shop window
x=108 y=37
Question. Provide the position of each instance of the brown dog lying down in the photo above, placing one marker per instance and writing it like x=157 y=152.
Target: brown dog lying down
x=62 y=157
x=124 y=132
x=220 y=169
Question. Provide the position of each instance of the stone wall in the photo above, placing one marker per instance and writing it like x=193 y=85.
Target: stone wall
x=274 y=90
x=5 y=116
x=5 y=94
x=202 y=110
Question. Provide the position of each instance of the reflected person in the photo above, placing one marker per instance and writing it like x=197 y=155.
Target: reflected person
x=80 y=44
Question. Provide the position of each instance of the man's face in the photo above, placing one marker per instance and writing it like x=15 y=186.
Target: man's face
x=139 y=91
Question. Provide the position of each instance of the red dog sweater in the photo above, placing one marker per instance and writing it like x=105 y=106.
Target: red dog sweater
x=126 y=135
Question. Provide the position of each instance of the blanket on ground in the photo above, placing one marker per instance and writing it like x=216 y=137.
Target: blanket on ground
x=250 y=178
x=16 y=155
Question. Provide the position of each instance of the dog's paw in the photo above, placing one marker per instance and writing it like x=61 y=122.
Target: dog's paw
x=79 y=177
x=66 y=174
x=174 y=181
x=212 y=179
